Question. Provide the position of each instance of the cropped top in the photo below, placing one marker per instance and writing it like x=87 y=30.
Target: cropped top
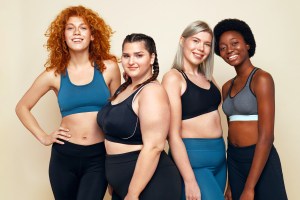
x=90 y=97
x=242 y=106
x=197 y=101
x=119 y=122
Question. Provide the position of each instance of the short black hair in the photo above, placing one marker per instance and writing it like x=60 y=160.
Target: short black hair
x=238 y=26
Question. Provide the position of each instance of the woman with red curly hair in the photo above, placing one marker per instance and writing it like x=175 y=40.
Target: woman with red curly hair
x=83 y=75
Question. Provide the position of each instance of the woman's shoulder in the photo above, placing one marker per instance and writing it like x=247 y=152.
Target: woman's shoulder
x=49 y=75
x=111 y=69
x=152 y=90
x=173 y=76
x=262 y=77
x=110 y=64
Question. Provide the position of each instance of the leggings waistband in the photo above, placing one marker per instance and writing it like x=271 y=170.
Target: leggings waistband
x=78 y=150
x=204 y=144
x=131 y=156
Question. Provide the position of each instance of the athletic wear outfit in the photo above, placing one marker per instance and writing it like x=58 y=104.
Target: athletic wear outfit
x=121 y=125
x=243 y=107
x=206 y=155
x=77 y=171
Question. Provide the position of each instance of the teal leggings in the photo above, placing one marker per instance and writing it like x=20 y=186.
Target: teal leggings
x=208 y=160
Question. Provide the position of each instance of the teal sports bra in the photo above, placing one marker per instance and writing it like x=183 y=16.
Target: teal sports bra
x=90 y=97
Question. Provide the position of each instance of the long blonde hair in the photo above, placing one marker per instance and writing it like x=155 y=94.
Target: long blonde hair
x=206 y=67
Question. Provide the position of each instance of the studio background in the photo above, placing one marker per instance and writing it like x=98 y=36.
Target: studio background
x=276 y=27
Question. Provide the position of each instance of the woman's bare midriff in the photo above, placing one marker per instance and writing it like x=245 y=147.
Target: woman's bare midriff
x=83 y=128
x=243 y=133
x=203 y=126
x=113 y=148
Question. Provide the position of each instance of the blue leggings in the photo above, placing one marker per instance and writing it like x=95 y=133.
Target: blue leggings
x=208 y=160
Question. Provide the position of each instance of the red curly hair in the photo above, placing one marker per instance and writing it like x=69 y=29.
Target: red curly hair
x=99 y=48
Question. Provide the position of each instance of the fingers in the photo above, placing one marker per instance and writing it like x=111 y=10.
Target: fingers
x=61 y=135
x=63 y=129
x=193 y=197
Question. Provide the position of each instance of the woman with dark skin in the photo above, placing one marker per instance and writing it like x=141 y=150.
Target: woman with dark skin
x=82 y=73
x=254 y=167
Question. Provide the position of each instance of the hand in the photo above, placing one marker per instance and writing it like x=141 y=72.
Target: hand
x=57 y=136
x=247 y=195
x=228 y=195
x=131 y=197
x=192 y=191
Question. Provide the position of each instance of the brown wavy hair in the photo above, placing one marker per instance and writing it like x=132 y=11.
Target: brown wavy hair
x=99 y=48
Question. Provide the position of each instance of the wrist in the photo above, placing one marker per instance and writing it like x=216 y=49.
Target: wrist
x=249 y=187
x=133 y=193
x=42 y=139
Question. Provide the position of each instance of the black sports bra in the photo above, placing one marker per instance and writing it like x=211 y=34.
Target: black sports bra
x=119 y=122
x=197 y=101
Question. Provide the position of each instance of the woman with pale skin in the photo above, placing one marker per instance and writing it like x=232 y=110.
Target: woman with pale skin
x=195 y=136
x=82 y=73
x=137 y=167
x=254 y=168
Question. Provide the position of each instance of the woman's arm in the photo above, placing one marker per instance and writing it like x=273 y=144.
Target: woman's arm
x=172 y=82
x=225 y=90
x=154 y=115
x=112 y=75
x=43 y=83
x=265 y=94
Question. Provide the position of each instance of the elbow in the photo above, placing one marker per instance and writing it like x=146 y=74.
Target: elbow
x=157 y=148
x=21 y=108
x=160 y=147
x=267 y=139
x=18 y=109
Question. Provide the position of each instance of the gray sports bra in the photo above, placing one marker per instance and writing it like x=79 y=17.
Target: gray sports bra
x=242 y=106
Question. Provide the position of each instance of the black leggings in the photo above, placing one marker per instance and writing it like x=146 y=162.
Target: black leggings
x=270 y=184
x=165 y=183
x=78 y=172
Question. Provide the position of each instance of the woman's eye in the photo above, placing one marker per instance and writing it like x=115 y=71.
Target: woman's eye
x=234 y=43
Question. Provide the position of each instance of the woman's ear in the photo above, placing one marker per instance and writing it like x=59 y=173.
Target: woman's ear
x=181 y=40
x=152 y=58
x=248 y=46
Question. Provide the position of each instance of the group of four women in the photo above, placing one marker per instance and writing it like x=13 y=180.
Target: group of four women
x=115 y=135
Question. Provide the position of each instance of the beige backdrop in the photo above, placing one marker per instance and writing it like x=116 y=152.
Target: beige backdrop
x=275 y=23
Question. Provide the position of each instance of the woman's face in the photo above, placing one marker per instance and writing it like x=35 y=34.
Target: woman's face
x=196 y=48
x=77 y=34
x=233 y=48
x=137 y=61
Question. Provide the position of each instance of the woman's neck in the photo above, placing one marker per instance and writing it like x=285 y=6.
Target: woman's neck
x=243 y=70
x=79 y=59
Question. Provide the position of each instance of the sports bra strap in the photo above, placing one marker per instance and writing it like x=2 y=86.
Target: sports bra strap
x=183 y=74
x=139 y=90
x=251 y=76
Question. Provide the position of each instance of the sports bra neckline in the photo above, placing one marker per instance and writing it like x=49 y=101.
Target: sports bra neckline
x=124 y=100
x=83 y=85
x=187 y=79
x=232 y=82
